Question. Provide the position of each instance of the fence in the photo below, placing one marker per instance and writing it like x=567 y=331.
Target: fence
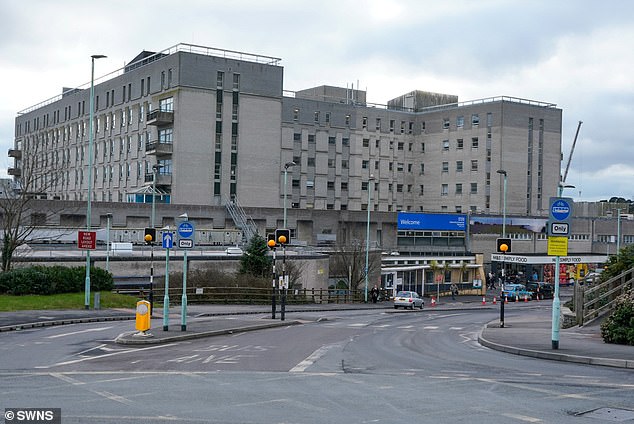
x=595 y=300
x=251 y=295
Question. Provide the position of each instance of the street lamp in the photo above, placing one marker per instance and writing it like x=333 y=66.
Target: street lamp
x=556 y=302
x=367 y=236
x=503 y=172
x=155 y=169
x=286 y=166
x=91 y=113
x=108 y=219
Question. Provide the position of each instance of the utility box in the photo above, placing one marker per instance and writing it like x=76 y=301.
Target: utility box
x=143 y=315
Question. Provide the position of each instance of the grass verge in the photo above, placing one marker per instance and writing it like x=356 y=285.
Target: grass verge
x=64 y=301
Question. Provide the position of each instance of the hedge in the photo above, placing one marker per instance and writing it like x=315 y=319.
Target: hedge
x=619 y=327
x=52 y=280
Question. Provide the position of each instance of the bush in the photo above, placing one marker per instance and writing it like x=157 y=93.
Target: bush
x=53 y=280
x=619 y=327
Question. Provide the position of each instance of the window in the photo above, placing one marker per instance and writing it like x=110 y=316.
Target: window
x=317 y=117
x=331 y=185
x=344 y=164
x=327 y=117
x=474 y=165
x=297 y=137
x=421 y=189
x=445 y=167
x=364 y=185
x=400 y=146
x=445 y=145
x=344 y=186
x=474 y=188
x=422 y=169
x=364 y=164
x=460 y=122
x=458 y=188
x=166 y=105
x=347 y=120
x=236 y=81
x=311 y=162
x=399 y=188
x=366 y=142
x=166 y=135
x=364 y=122
x=310 y=184
x=459 y=144
x=422 y=147
x=391 y=125
x=445 y=123
x=475 y=120
x=399 y=167
x=444 y=189
x=331 y=163
x=311 y=138
x=378 y=124
x=295 y=114
x=220 y=78
x=345 y=141
x=474 y=142
x=459 y=166
x=332 y=140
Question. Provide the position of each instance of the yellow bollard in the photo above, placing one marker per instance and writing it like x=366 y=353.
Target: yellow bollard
x=143 y=314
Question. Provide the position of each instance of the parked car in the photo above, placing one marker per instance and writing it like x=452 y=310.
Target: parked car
x=408 y=299
x=516 y=291
x=541 y=289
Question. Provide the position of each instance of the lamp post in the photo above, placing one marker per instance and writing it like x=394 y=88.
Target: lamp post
x=286 y=166
x=108 y=218
x=184 y=217
x=155 y=169
x=505 y=248
x=91 y=114
x=556 y=301
x=367 y=237
x=618 y=232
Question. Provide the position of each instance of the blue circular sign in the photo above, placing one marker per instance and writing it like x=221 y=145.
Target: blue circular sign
x=560 y=210
x=185 y=230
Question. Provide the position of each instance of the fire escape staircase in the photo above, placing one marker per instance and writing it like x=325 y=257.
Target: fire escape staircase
x=241 y=219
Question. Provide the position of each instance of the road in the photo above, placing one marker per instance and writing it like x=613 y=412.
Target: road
x=337 y=367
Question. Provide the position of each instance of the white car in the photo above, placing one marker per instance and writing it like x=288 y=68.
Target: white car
x=408 y=299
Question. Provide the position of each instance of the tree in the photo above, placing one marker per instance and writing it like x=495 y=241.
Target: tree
x=255 y=260
x=349 y=261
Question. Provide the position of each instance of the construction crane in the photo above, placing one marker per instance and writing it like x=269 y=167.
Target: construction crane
x=572 y=150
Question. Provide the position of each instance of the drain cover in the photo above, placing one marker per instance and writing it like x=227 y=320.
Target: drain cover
x=609 y=414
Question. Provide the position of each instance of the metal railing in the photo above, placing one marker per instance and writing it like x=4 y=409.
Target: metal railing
x=593 y=301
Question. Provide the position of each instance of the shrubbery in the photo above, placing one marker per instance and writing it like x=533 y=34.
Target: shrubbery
x=619 y=327
x=52 y=280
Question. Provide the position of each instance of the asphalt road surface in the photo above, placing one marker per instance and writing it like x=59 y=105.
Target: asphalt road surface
x=338 y=367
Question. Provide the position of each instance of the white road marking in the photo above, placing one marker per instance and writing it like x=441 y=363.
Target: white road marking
x=301 y=367
x=90 y=358
x=456 y=328
x=523 y=418
x=430 y=327
x=90 y=330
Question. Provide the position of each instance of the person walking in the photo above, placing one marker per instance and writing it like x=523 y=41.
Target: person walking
x=454 y=291
x=374 y=293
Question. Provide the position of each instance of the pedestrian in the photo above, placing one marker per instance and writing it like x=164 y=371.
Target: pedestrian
x=374 y=293
x=454 y=291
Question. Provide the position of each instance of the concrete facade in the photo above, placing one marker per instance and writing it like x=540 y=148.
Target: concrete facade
x=221 y=127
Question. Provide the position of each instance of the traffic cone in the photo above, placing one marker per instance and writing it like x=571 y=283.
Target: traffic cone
x=517 y=298
x=433 y=301
x=495 y=301
x=484 y=300
x=525 y=298
x=506 y=299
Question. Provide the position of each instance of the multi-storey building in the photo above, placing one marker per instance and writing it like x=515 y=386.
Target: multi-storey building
x=203 y=126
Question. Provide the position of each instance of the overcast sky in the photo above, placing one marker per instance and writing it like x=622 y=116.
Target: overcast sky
x=577 y=54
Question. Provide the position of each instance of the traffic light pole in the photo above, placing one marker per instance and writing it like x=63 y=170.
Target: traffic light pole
x=283 y=294
x=273 y=305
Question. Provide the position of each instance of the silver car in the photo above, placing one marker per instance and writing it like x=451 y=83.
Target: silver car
x=408 y=299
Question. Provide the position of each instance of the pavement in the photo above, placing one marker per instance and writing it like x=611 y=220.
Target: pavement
x=526 y=331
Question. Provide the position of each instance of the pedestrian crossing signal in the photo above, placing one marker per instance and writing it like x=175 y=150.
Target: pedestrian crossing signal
x=283 y=236
x=150 y=235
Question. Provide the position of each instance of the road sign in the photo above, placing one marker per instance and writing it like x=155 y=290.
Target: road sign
x=558 y=246
x=559 y=228
x=87 y=240
x=168 y=240
x=185 y=243
x=560 y=208
x=186 y=230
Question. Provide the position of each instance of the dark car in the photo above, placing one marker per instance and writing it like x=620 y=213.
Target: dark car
x=541 y=289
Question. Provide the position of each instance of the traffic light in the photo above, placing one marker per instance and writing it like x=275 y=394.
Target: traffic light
x=283 y=236
x=270 y=240
x=150 y=235
x=503 y=245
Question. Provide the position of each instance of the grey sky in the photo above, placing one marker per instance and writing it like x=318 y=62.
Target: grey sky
x=577 y=54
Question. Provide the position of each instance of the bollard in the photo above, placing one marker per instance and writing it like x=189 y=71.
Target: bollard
x=97 y=300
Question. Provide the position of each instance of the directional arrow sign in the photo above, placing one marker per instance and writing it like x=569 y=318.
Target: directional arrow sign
x=168 y=240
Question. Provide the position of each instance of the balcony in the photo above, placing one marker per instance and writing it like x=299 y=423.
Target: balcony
x=156 y=148
x=16 y=172
x=161 y=179
x=15 y=153
x=160 y=117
